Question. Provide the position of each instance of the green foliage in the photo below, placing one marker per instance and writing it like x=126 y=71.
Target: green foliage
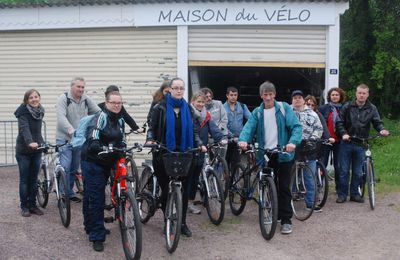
x=370 y=51
x=385 y=153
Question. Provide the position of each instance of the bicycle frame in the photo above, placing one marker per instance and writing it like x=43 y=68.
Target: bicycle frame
x=119 y=180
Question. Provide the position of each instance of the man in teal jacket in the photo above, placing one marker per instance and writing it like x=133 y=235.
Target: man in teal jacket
x=275 y=124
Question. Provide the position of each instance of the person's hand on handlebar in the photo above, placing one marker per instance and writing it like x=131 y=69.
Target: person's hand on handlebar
x=384 y=132
x=150 y=142
x=203 y=149
x=290 y=148
x=243 y=145
x=34 y=145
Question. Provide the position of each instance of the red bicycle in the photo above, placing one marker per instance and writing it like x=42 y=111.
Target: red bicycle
x=124 y=203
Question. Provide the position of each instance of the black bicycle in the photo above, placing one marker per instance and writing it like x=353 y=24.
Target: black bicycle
x=241 y=189
x=368 y=176
x=177 y=166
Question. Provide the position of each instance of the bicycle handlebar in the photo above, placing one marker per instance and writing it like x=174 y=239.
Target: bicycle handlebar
x=158 y=147
x=46 y=146
x=364 y=140
x=275 y=150
x=111 y=149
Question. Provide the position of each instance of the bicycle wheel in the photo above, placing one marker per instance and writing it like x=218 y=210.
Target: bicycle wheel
x=302 y=183
x=173 y=214
x=221 y=169
x=268 y=207
x=42 y=193
x=130 y=226
x=214 y=200
x=132 y=171
x=63 y=204
x=322 y=185
x=371 y=183
x=145 y=200
x=363 y=180
x=237 y=190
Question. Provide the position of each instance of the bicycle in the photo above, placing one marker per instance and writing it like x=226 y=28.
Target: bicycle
x=304 y=181
x=56 y=181
x=241 y=190
x=368 y=173
x=211 y=191
x=78 y=179
x=124 y=203
x=220 y=166
x=177 y=165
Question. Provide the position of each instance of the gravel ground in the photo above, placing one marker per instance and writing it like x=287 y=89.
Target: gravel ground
x=341 y=231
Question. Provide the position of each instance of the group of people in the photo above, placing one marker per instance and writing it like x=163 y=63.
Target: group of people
x=181 y=126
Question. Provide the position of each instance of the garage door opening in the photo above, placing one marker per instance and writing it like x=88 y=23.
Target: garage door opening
x=248 y=79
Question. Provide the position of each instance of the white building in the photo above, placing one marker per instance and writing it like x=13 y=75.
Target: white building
x=137 y=43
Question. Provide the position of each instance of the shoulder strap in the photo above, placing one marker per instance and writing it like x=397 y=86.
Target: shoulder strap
x=68 y=99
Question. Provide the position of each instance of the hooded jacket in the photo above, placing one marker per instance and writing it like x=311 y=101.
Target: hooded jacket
x=289 y=129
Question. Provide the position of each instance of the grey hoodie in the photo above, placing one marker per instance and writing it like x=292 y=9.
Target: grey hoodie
x=68 y=116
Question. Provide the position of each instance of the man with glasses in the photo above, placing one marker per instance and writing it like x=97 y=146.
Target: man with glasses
x=71 y=107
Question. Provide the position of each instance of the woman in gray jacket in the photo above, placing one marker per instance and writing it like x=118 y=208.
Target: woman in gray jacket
x=30 y=115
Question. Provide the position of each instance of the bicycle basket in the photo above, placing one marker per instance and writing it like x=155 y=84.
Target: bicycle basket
x=309 y=148
x=177 y=164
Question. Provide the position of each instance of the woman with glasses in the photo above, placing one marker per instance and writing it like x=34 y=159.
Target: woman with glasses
x=106 y=129
x=311 y=102
x=172 y=124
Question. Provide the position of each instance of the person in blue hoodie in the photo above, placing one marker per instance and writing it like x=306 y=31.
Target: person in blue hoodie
x=206 y=126
x=30 y=117
x=275 y=124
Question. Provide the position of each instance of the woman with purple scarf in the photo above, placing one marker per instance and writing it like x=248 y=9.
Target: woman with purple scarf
x=330 y=111
x=172 y=125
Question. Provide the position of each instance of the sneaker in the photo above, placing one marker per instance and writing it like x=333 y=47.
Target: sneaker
x=186 y=231
x=36 y=211
x=98 y=246
x=75 y=199
x=317 y=209
x=286 y=229
x=357 y=198
x=340 y=200
x=25 y=213
x=193 y=209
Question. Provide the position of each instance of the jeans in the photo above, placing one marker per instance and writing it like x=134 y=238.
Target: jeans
x=29 y=167
x=335 y=147
x=70 y=159
x=354 y=155
x=310 y=183
x=95 y=179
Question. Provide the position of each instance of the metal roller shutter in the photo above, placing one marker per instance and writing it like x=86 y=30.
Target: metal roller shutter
x=137 y=59
x=266 y=46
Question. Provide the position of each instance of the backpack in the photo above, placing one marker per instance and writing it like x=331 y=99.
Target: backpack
x=69 y=100
x=86 y=125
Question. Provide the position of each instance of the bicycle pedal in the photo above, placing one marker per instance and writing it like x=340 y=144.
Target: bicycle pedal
x=108 y=219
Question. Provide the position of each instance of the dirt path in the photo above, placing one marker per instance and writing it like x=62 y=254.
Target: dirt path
x=342 y=231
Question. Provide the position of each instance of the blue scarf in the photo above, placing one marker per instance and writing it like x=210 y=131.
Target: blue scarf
x=186 y=122
x=335 y=108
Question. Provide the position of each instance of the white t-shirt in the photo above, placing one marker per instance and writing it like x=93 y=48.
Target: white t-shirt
x=270 y=128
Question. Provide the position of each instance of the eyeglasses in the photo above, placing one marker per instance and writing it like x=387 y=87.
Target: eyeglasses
x=178 y=89
x=114 y=103
x=310 y=105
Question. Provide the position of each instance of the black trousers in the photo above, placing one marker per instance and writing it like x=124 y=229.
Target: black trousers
x=163 y=181
x=282 y=179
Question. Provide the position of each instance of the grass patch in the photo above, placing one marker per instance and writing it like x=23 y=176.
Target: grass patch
x=386 y=153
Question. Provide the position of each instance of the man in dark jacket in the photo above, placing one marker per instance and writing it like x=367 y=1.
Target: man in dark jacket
x=355 y=120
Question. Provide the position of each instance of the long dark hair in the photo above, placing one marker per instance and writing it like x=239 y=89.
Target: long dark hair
x=159 y=94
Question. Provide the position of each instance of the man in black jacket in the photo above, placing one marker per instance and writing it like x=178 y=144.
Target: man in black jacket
x=355 y=121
